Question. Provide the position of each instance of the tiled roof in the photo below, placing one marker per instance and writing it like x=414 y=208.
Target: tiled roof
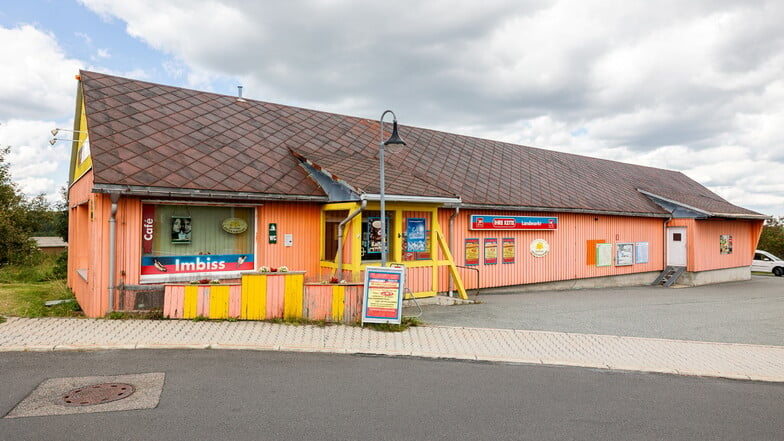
x=149 y=135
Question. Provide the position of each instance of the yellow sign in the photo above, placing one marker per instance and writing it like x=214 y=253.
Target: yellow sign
x=234 y=225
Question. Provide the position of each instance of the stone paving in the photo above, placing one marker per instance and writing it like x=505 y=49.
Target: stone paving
x=724 y=360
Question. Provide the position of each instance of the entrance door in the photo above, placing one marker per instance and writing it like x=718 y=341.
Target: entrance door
x=676 y=246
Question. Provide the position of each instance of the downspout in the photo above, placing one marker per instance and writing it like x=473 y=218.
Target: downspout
x=115 y=197
x=339 y=256
x=452 y=245
x=666 y=243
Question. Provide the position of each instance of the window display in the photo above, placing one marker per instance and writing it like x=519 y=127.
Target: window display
x=172 y=250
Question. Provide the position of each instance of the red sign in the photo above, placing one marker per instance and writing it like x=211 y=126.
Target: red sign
x=148 y=224
x=479 y=222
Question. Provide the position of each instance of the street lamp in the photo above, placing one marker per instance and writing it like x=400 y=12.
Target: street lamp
x=393 y=139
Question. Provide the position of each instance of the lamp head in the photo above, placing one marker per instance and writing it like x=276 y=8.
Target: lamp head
x=394 y=138
x=54 y=132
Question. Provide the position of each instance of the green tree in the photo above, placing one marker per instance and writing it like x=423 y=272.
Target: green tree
x=16 y=221
x=772 y=237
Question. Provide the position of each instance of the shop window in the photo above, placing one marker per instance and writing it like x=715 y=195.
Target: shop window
x=416 y=237
x=332 y=220
x=183 y=242
x=371 y=234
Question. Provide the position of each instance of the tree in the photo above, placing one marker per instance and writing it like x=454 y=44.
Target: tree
x=772 y=237
x=16 y=221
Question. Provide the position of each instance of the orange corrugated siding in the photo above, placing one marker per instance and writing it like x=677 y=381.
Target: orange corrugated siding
x=567 y=257
x=302 y=221
x=702 y=244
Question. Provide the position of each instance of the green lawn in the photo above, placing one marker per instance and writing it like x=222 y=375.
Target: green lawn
x=25 y=288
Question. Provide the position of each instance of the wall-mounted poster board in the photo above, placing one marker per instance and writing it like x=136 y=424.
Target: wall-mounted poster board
x=641 y=252
x=472 y=251
x=508 y=247
x=725 y=244
x=604 y=254
x=624 y=254
x=491 y=251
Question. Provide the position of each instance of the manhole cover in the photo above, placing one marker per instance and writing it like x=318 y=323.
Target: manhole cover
x=96 y=394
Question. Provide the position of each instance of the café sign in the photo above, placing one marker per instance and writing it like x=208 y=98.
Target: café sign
x=522 y=223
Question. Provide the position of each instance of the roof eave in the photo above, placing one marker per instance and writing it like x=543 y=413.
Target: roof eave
x=167 y=192
x=561 y=210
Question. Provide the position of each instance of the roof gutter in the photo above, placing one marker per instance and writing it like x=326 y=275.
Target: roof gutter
x=409 y=198
x=134 y=190
x=561 y=210
x=341 y=229
x=706 y=213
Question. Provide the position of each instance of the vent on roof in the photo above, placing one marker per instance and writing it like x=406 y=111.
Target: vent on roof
x=239 y=94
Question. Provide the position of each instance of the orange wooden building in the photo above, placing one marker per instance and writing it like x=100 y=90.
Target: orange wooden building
x=170 y=185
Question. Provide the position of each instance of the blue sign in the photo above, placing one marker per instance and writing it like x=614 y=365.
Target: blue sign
x=416 y=239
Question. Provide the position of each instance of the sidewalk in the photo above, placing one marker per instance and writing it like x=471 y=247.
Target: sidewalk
x=725 y=360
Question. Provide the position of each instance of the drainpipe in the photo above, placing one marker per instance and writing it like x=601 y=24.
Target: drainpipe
x=342 y=224
x=115 y=197
x=666 y=221
x=452 y=246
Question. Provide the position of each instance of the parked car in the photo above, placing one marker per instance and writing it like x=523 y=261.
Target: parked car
x=766 y=262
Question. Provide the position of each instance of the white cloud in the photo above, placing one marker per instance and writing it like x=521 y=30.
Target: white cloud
x=694 y=86
x=38 y=78
x=36 y=94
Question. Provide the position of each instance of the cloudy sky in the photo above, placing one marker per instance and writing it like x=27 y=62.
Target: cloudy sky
x=694 y=86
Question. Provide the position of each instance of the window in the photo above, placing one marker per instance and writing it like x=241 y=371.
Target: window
x=184 y=242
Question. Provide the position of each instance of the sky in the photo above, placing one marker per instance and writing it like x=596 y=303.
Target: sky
x=693 y=86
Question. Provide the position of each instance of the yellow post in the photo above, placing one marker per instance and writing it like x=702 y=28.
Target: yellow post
x=338 y=302
x=452 y=267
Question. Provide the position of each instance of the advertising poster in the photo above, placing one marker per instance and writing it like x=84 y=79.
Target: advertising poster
x=641 y=252
x=725 y=244
x=425 y=255
x=383 y=295
x=471 y=252
x=603 y=254
x=181 y=229
x=508 y=250
x=491 y=251
x=374 y=235
x=624 y=254
x=416 y=233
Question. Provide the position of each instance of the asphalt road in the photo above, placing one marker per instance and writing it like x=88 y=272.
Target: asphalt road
x=738 y=312
x=237 y=395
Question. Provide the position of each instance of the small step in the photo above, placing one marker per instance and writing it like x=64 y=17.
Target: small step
x=669 y=276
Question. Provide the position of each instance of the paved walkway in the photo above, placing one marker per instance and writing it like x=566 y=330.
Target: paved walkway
x=726 y=360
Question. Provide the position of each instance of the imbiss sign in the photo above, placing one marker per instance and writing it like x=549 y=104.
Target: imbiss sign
x=485 y=223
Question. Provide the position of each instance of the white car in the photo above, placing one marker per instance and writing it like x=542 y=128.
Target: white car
x=766 y=262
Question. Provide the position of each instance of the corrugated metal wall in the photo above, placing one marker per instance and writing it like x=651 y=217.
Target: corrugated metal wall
x=567 y=258
x=302 y=221
x=702 y=242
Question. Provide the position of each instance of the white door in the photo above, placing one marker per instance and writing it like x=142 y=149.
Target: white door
x=676 y=246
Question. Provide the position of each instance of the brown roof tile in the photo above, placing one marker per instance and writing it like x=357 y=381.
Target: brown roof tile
x=159 y=136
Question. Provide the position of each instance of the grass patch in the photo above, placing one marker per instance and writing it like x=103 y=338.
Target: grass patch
x=405 y=323
x=24 y=289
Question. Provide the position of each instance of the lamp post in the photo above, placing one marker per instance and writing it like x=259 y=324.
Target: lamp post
x=393 y=139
